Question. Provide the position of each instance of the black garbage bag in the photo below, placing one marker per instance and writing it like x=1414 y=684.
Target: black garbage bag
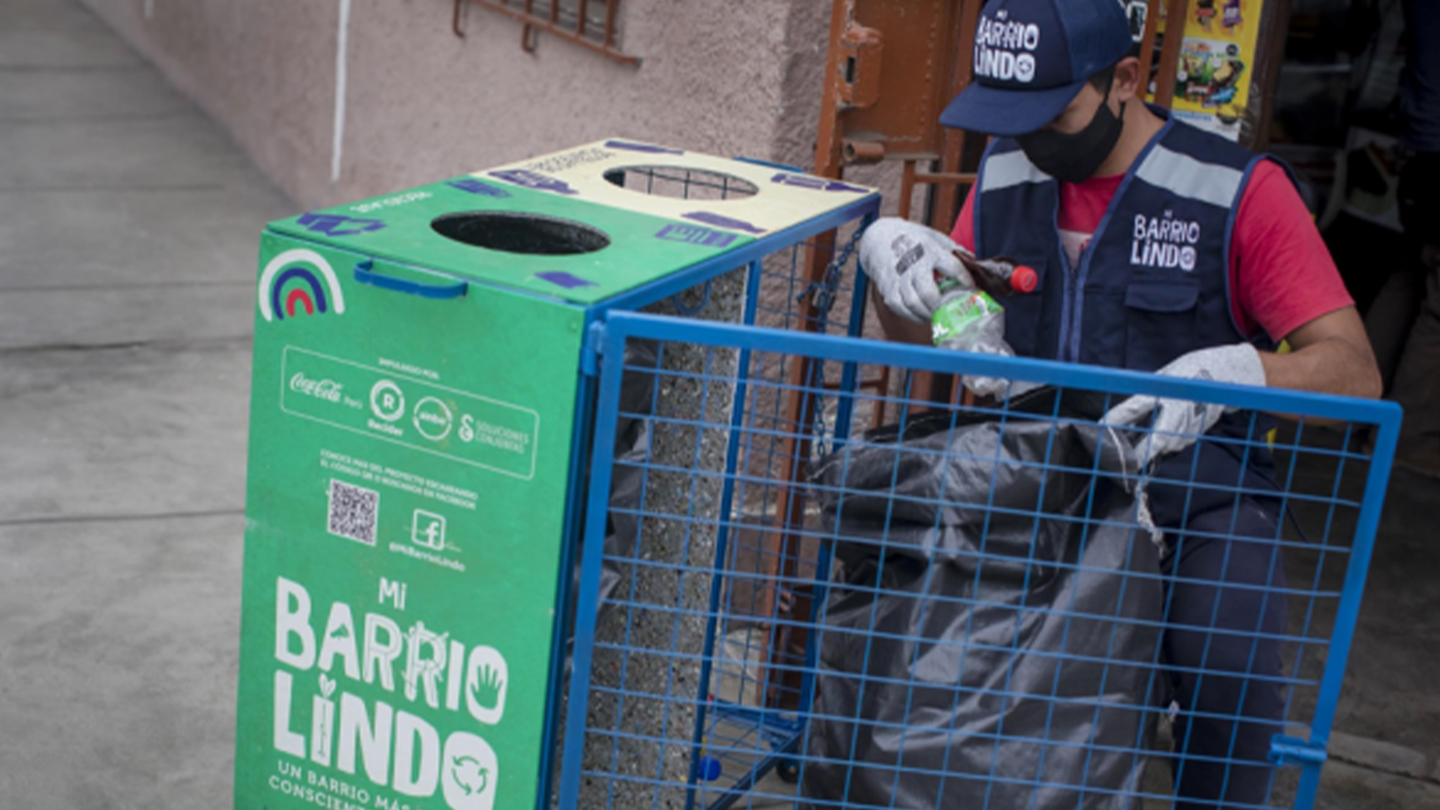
x=990 y=635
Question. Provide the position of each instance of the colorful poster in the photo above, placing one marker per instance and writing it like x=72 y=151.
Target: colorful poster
x=1217 y=60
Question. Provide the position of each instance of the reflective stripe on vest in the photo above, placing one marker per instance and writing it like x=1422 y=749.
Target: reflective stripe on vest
x=1187 y=177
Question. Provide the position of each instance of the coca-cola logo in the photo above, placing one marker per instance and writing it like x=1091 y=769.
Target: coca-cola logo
x=328 y=390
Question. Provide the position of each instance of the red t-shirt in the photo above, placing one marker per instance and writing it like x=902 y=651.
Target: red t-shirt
x=1281 y=274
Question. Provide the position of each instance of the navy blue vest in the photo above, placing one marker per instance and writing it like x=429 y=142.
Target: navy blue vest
x=1153 y=284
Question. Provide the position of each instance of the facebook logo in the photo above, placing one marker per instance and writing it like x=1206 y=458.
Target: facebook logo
x=428 y=530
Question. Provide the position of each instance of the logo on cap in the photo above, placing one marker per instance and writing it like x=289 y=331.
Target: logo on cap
x=1005 y=49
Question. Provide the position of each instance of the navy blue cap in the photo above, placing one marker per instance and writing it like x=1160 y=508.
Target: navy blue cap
x=1032 y=57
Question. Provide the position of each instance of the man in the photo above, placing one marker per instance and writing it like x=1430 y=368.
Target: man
x=1165 y=249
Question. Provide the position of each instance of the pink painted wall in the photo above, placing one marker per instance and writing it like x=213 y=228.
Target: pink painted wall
x=740 y=77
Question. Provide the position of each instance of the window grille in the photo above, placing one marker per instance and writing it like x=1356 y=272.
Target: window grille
x=588 y=23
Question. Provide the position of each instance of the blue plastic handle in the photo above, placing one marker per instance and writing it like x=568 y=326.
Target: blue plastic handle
x=365 y=274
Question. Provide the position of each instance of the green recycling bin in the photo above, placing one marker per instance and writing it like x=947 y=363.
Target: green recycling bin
x=418 y=429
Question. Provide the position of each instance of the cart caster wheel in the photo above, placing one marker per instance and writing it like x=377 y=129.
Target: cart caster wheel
x=788 y=770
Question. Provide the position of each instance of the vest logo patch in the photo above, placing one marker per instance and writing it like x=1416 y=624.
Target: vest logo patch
x=1164 y=242
x=1005 y=50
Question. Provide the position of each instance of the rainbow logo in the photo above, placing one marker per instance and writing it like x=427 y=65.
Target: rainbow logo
x=297 y=269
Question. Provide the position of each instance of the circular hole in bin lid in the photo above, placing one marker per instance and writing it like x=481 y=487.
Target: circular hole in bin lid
x=681 y=182
x=515 y=232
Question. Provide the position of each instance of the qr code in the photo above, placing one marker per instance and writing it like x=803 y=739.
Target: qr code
x=353 y=511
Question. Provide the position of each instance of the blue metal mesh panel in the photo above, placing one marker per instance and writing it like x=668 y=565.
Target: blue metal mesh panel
x=971 y=607
x=773 y=274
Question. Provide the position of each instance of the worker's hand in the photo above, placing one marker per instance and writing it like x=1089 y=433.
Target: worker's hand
x=902 y=259
x=1178 y=423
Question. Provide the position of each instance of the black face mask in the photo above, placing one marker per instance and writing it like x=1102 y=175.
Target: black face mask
x=1074 y=157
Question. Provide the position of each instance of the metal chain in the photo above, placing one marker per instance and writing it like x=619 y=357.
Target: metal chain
x=827 y=288
x=830 y=282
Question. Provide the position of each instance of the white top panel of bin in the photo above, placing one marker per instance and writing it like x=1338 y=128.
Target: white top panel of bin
x=723 y=193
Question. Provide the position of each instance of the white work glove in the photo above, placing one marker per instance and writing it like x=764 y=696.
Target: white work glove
x=1180 y=422
x=902 y=258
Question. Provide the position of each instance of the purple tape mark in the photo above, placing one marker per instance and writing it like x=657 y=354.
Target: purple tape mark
x=644 y=147
x=560 y=278
x=337 y=225
x=474 y=186
x=723 y=222
x=535 y=180
x=815 y=183
x=696 y=235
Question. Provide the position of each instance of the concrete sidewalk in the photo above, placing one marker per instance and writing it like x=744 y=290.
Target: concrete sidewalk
x=128 y=233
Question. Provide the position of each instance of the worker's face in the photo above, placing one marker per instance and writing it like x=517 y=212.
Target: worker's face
x=1081 y=111
x=1074 y=146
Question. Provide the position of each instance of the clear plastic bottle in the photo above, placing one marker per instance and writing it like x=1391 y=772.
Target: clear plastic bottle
x=971 y=320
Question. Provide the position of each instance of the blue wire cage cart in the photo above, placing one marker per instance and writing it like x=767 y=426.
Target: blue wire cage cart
x=970 y=606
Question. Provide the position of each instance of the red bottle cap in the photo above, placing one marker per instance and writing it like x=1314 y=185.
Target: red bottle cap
x=1024 y=279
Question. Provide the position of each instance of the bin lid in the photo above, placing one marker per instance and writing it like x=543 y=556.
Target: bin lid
x=582 y=225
